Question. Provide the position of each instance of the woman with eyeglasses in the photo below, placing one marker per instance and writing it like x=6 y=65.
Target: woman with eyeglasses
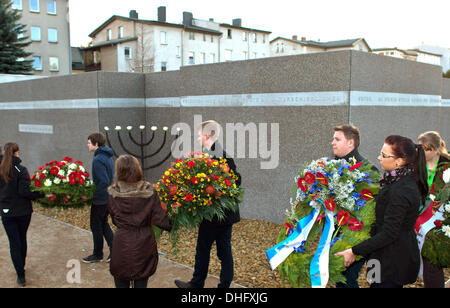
x=393 y=249
x=438 y=161
x=15 y=205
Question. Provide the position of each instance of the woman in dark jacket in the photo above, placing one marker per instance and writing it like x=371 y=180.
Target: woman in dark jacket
x=15 y=206
x=134 y=206
x=393 y=245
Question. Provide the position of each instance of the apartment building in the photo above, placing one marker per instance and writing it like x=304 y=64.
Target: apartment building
x=47 y=25
x=130 y=44
x=281 y=46
x=410 y=54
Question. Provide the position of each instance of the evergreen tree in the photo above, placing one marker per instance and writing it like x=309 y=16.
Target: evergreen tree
x=12 y=49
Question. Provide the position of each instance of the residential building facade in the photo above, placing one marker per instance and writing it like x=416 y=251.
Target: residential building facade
x=130 y=44
x=410 y=54
x=281 y=46
x=47 y=25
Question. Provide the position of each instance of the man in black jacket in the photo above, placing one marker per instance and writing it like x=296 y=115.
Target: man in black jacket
x=346 y=140
x=214 y=230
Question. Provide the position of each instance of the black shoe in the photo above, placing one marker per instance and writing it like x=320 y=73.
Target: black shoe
x=92 y=259
x=21 y=281
x=183 y=285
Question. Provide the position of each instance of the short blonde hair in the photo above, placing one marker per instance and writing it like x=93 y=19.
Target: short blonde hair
x=433 y=140
x=210 y=128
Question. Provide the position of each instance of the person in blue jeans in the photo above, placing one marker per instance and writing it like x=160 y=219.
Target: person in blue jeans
x=15 y=206
x=102 y=175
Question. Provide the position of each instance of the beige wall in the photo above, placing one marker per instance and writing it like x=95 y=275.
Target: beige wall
x=44 y=48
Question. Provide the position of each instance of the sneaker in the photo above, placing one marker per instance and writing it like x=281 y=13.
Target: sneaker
x=92 y=259
x=183 y=285
x=21 y=281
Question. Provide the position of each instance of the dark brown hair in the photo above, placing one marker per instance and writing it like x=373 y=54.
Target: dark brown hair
x=128 y=169
x=7 y=160
x=350 y=132
x=414 y=155
x=97 y=139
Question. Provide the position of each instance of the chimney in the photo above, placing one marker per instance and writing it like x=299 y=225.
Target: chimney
x=294 y=37
x=187 y=18
x=134 y=14
x=237 y=22
x=162 y=14
x=303 y=39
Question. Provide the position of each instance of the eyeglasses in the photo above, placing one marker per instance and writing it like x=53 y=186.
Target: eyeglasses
x=386 y=156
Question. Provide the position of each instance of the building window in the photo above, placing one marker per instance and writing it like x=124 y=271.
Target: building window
x=264 y=38
x=244 y=55
x=52 y=35
x=34 y=5
x=178 y=51
x=37 y=63
x=212 y=58
x=163 y=37
x=228 y=54
x=229 y=33
x=120 y=32
x=51 y=7
x=253 y=55
x=53 y=64
x=212 y=39
x=244 y=36
x=254 y=38
x=127 y=52
x=163 y=66
x=108 y=34
x=191 y=36
x=191 y=57
x=204 y=37
x=17 y=4
x=35 y=33
x=202 y=58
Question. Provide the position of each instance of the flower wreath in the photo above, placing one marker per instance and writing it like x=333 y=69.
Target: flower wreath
x=337 y=198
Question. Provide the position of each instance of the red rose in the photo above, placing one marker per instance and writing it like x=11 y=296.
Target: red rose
x=37 y=183
x=54 y=170
x=80 y=180
x=163 y=206
x=178 y=161
x=173 y=190
x=210 y=190
x=68 y=159
x=342 y=218
x=366 y=194
x=322 y=178
x=191 y=164
x=330 y=204
x=438 y=223
x=41 y=176
x=188 y=198
x=310 y=178
x=194 y=180
x=66 y=199
x=355 y=225
x=228 y=183
x=287 y=226
x=300 y=184
x=52 y=197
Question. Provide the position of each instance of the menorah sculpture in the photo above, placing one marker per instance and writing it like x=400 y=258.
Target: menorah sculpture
x=142 y=144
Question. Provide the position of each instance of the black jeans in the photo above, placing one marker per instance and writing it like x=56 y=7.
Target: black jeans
x=206 y=236
x=100 y=228
x=16 y=229
x=125 y=284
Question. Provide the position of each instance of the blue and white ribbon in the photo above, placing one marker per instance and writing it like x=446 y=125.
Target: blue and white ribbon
x=318 y=269
x=278 y=253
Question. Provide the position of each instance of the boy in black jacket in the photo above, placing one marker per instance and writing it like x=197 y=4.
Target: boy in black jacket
x=215 y=230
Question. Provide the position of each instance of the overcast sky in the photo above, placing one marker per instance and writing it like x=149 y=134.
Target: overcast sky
x=383 y=23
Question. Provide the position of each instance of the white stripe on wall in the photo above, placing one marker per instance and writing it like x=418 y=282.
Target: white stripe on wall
x=336 y=98
x=36 y=128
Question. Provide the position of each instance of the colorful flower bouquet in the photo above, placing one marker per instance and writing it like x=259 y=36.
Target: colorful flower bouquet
x=436 y=245
x=197 y=188
x=333 y=211
x=65 y=184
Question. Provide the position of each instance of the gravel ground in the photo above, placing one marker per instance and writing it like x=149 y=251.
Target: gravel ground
x=250 y=240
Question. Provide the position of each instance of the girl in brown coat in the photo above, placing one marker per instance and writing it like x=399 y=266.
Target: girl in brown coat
x=134 y=206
